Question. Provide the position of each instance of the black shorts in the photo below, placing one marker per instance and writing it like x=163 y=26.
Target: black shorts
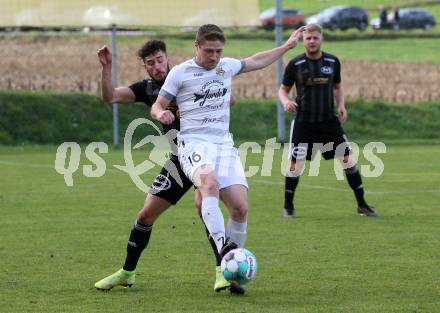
x=326 y=137
x=166 y=185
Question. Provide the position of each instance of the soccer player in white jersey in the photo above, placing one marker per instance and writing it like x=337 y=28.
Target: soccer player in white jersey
x=202 y=89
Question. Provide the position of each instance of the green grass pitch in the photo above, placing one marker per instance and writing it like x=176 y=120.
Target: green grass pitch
x=57 y=241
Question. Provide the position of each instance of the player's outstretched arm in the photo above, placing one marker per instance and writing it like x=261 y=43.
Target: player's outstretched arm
x=262 y=59
x=159 y=111
x=110 y=94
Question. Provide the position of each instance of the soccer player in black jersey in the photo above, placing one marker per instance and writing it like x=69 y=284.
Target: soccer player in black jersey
x=156 y=63
x=317 y=78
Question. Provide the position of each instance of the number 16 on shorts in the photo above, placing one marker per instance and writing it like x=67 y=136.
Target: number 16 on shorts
x=192 y=155
x=194 y=158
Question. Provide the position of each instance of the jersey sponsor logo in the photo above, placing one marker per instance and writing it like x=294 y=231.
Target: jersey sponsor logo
x=326 y=70
x=161 y=183
x=208 y=94
x=198 y=74
x=211 y=91
x=220 y=71
x=317 y=81
x=214 y=107
x=208 y=120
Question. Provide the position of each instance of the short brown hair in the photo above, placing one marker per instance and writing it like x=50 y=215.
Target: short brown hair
x=314 y=27
x=210 y=32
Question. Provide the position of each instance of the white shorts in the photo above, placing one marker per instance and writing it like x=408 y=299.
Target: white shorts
x=223 y=159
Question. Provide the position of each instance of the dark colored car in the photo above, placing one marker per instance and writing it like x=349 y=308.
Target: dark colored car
x=292 y=18
x=341 y=17
x=409 y=18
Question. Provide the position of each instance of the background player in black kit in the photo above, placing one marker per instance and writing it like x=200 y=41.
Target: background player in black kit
x=153 y=54
x=317 y=78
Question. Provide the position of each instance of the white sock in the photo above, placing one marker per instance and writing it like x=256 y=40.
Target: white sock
x=237 y=232
x=213 y=218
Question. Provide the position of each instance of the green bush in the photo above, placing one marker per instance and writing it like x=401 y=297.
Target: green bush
x=53 y=118
x=256 y=120
x=377 y=120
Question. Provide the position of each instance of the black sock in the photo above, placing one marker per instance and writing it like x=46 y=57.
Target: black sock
x=355 y=181
x=218 y=259
x=139 y=237
x=289 y=191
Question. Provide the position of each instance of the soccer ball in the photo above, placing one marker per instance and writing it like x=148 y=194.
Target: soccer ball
x=239 y=265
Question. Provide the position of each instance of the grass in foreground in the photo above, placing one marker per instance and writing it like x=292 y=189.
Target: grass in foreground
x=58 y=241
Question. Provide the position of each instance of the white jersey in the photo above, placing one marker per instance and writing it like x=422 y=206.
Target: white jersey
x=203 y=98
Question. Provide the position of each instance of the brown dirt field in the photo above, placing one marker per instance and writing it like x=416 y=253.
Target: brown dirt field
x=71 y=65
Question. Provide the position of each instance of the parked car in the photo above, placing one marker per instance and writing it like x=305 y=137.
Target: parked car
x=409 y=18
x=341 y=17
x=292 y=18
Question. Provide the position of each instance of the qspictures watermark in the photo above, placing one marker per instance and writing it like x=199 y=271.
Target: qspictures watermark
x=69 y=154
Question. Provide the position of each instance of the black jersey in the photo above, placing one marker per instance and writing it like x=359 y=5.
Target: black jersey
x=146 y=91
x=314 y=81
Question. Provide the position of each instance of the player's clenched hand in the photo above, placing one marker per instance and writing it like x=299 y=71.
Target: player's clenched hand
x=293 y=40
x=104 y=55
x=290 y=106
x=342 y=113
x=166 y=117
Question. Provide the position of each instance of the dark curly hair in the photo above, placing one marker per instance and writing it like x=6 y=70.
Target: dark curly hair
x=151 y=47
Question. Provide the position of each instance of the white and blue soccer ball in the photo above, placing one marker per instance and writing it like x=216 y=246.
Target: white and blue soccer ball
x=239 y=265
